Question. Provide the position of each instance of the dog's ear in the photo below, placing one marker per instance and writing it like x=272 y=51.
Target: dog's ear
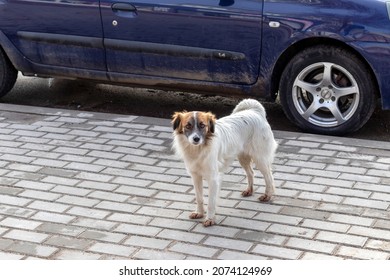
x=176 y=121
x=212 y=119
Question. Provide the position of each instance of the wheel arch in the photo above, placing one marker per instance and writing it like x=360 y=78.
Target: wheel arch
x=299 y=46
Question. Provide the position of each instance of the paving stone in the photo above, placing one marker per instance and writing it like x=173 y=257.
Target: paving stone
x=80 y=185
x=291 y=230
x=34 y=185
x=217 y=230
x=60 y=180
x=147 y=242
x=342 y=238
x=11 y=222
x=181 y=235
x=118 y=207
x=277 y=252
x=14 y=200
x=378 y=245
x=261 y=237
x=52 y=217
x=369 y=203
x=323 y=225
x=24 y=167
x=350 y=220
x=102 y=195
x=10 y=256
x=246 y=223
x=344 y=192
x=340 y=208
x=311 y=245
x=227 y=243
x=382 y=224
x=32 y=249
x=16 y=211
x=103 y=236
x=283 y=219
x=158 y=212
x=40 y=195
x=148 y=254
x=136 y=191
x=172 y=223
x=365 y=254
x=125 y=218
x=104 y=186
x=234 y=255
x=21 y=175
x=303 y=212
x=84 y=167
x=370 y=232
x=112 y=249
x=319 y=257
x=196 y=250
x=60 y=229
x=49 y=162
x=319 y=173
x=76 y=200
x=88 y=212
x=71 y=190
x=69 y=242
x=138 y=229
x=320 y=197
x=95 y=224
x=16 y=158
x=360 y=178
x=26 y=236
x=5 y=243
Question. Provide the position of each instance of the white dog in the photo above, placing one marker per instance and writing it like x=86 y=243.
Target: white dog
x=208 y=146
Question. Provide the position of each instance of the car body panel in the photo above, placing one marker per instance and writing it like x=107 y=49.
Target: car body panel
x=193 y=40
x=53 y=32
x=365 y=29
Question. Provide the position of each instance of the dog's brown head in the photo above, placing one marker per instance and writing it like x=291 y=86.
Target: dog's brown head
x=198 y=127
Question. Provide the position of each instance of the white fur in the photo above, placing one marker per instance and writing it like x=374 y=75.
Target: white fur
x=246 y=135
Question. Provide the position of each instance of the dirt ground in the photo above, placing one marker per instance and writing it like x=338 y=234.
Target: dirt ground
x=90 y=96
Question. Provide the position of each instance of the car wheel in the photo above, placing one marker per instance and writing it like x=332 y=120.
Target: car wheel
x=8 y=74
x=327 y=90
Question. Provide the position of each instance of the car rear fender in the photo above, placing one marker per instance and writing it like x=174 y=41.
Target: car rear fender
x=17 y=59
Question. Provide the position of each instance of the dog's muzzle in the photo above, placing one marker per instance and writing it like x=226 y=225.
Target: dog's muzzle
x=195 y=139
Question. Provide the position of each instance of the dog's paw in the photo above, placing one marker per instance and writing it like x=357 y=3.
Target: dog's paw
x=208 y=222
x=196 y=215
x=265 y=198
x=247 y=192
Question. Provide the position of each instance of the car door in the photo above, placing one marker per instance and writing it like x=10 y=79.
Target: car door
x=206 y=40
x=56 y=32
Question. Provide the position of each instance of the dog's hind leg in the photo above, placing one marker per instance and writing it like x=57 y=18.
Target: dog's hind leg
x=246 y=163
x=198 y=186
x=266 y=170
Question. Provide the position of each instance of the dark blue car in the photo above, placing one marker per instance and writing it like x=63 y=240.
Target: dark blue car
x=328 y=61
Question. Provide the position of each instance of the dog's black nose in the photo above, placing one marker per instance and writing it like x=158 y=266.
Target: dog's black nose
x=196 y=139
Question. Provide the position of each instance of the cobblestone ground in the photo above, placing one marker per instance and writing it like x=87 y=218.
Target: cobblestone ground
x=77 y=185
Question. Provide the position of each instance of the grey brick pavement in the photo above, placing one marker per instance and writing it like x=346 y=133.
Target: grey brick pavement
x=78 y=185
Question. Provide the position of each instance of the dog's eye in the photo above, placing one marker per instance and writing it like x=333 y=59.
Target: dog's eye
x=188 y=126
x=202 y=125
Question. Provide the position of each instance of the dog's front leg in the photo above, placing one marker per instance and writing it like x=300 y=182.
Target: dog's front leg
x=214 y=184
x=198 y=186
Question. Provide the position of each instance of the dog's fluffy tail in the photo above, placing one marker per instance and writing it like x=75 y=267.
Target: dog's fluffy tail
x=250 y=104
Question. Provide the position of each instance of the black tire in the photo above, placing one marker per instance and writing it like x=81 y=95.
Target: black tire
x=8 y=74
x=327 y=90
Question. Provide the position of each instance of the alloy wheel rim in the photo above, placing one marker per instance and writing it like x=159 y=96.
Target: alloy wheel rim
x=326 y=94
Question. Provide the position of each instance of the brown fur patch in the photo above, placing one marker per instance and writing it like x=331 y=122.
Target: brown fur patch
x=182 y=119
